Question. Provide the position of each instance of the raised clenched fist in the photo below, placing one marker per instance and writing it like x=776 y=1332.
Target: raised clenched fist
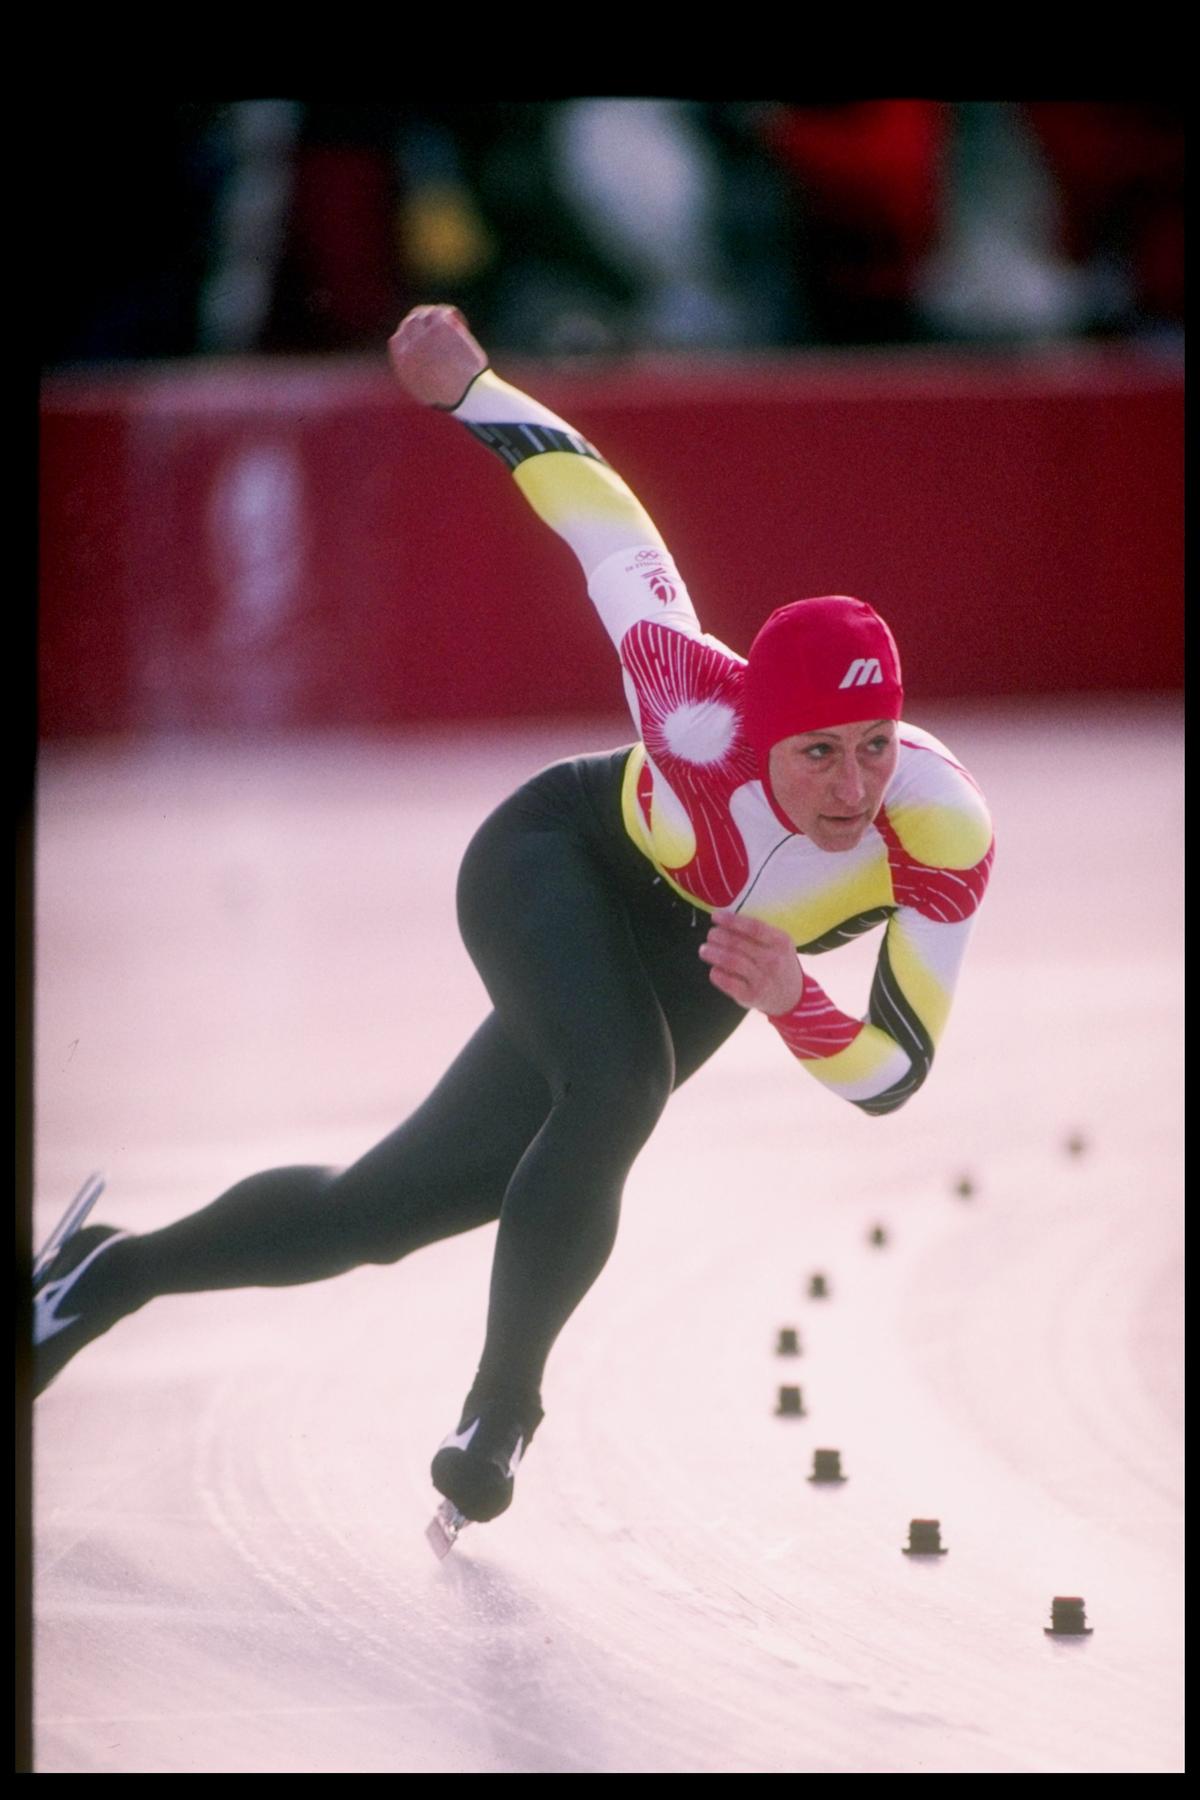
x=435 y=356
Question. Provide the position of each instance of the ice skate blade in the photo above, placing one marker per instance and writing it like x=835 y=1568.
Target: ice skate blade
x=70 y=1222
x=444 y=1527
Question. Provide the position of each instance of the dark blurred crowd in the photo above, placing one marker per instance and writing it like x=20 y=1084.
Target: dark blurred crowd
x=594 y=226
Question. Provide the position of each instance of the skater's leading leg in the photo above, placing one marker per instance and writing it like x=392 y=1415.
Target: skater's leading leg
x=555 y=948
x=559 y=939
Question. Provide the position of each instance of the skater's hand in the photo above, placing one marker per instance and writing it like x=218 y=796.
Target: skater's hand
x=435 y=356
x=753 y=962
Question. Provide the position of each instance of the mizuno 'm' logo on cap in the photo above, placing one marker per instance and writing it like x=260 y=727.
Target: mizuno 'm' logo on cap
x=862 y=672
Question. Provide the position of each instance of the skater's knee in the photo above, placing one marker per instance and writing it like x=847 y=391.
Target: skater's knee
x=623 y=1098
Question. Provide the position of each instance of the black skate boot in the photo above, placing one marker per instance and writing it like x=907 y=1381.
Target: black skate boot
x=65 y=1315
x=475 y=1466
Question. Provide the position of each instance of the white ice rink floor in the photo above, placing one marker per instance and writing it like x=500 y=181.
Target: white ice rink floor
x=247 y=957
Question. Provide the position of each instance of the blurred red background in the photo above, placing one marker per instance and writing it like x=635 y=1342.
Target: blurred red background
x=294 y=545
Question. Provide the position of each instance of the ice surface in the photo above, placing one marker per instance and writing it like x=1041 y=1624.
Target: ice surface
x=247 y=956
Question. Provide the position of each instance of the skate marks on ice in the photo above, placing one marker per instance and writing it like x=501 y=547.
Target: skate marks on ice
x=232 y=1489
x=267 y=1601
x=659 y=1598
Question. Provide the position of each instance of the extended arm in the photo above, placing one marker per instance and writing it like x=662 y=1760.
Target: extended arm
x=566 y=481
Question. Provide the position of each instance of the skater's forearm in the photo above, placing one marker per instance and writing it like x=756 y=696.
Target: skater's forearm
x=630 y=573
x=879 y=1062
x=562 y=476
x=439 y=362
x=856 y=1059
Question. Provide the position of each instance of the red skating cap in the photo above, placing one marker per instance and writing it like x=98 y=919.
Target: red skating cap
x=826 y=661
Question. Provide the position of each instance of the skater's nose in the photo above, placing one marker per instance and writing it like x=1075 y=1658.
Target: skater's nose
x=849 y=787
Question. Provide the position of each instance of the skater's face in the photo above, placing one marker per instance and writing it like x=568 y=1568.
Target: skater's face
x=831 y=783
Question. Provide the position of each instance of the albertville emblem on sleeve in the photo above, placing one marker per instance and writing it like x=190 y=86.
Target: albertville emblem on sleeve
x=653 y=569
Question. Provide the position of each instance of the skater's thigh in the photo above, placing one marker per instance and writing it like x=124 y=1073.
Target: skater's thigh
x=446 y=1168
x=699 y=1016
x=553 y=943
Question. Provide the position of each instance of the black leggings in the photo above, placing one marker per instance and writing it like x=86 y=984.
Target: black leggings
x=602 y=1007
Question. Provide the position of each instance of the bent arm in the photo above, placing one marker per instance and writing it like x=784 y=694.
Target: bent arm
x=879 y=1062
